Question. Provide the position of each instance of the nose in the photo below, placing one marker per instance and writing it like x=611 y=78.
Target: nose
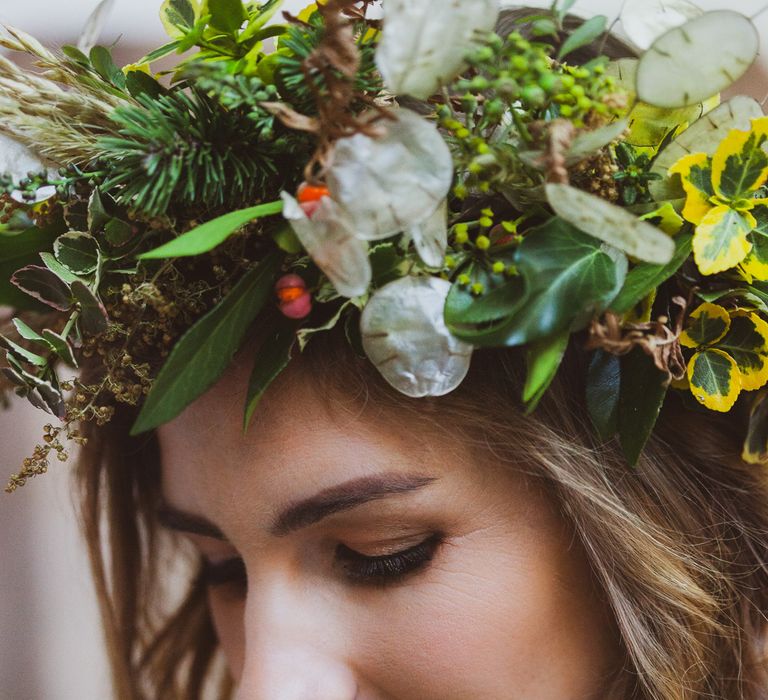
x=295 y=646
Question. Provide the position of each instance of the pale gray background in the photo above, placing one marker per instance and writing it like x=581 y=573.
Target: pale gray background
x=50 y=642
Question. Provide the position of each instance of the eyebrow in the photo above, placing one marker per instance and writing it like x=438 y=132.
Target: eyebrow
x=309 y=511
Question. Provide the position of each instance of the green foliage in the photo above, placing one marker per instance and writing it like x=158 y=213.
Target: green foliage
x=175 y=153
x=212 y=233
x=19 y=249
x=602 y=393
x=200 y=357
x=543 y=359
x=583 y=35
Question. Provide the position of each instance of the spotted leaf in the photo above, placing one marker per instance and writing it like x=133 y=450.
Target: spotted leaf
x=715 y=379
x=721 y=240
x=705 y=326
x=740 y=164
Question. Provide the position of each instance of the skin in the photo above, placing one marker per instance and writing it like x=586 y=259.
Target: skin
x=505 y=609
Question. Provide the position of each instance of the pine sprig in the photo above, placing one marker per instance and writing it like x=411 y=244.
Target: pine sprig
x=176 y=151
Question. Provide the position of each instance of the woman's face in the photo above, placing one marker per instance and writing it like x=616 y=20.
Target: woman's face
x=360 y=557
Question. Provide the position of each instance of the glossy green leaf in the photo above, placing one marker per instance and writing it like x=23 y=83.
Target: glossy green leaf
x=645 y=277
x=543 y=360
x=212 y=233
x=202 y=354
x=227 y=15
x=643 y=389
x=747 y=343
x=77 y=251
x=584 y=35
x=43 y=285
x=272 y=358
x=602 y=393
x=568 y=277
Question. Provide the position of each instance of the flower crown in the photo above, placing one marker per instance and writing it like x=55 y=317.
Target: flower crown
x=427 y=183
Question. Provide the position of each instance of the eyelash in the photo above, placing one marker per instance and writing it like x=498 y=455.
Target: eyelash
x=358 y=568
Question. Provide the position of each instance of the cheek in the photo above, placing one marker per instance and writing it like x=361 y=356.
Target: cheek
x=487 y=619
x=227 y=607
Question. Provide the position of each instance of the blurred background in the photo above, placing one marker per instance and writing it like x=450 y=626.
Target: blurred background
x=50 y=641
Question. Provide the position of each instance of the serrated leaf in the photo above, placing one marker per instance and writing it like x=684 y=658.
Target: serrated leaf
x=584 y=35
x=643 y=389
x=417 y=55
x=602 y=393
x=202 y=354
x=543 y=360
x=645 y=277
x=44 y=285
x=77 y=251
x=715 y=379
x=707 y=324
x=611 y=224
x=272 y=358
x=681 y=68
x=703 y=136
x=212 y=233
x=93 y=316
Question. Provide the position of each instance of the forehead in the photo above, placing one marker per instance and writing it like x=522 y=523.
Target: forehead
x=300 y=441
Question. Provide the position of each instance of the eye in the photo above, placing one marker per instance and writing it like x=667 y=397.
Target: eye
x=390 y=568
x=230 y=572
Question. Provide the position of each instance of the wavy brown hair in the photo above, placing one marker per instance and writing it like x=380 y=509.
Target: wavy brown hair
x=678 y=544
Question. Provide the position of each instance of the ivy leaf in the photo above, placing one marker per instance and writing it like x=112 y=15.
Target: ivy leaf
x=643 y=389
x=715 y=379
x=722 y=240
x=273 y=357
x=212 y=233
x=200 y=357
x=681 y=68
x=584 y=35
x=706 y=325
x=568 y=276
x=703 y=136
x=44 y=285
x=756 y=444
x=611 y=224
x=227 y=15
x=602 y=393
x=543 y=358
x=645 y=277
x=77 y=251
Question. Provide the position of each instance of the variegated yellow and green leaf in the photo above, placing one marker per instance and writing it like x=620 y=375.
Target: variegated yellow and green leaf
x=715 y=379
x=695 y=171
x=666 y=218
x=755 y=265
x=722 y=240
x=747 y=343
x=756 y=444
x=641 y=312
x=705 y=326
x=179 y=16
x=740 y=165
